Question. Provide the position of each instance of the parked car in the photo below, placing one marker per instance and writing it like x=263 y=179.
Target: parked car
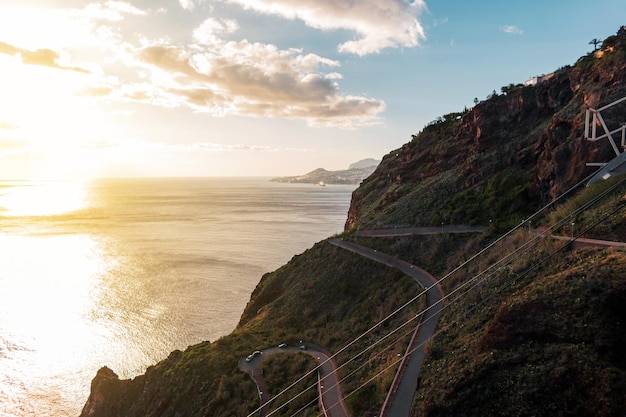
x=282 y=345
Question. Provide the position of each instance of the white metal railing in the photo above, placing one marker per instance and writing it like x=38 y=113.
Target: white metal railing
x=593 y=119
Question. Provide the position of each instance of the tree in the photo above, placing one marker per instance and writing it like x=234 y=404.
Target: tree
x=595 y=42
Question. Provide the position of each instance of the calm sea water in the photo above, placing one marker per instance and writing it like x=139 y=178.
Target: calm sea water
x=122 y=272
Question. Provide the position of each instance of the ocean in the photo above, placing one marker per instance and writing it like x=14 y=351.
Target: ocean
x=120 y=272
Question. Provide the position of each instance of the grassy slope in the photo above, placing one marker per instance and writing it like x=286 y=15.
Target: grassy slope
x=541 y=342
x=324 y=296
x=549 y=345
x=541 y=335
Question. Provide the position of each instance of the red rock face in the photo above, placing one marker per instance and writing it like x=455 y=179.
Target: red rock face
x=538 y=129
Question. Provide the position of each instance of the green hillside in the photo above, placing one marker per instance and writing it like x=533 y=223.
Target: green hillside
x=532 y=325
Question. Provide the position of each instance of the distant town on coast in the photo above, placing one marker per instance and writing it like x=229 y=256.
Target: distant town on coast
x=355 y=173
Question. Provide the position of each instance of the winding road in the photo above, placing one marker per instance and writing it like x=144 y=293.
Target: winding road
x=402 y=391
x=329 y=390
x=400 y=396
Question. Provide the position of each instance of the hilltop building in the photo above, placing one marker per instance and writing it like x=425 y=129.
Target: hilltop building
x=538 y=79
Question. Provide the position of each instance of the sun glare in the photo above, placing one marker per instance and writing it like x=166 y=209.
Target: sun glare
x=51 y=124
x=48 y=298
x=43 y=198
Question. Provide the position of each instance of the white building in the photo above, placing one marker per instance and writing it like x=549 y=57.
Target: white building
x=538 y=79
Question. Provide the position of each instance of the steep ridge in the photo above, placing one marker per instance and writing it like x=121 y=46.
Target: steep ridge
x=536 y=338
x=500 y=158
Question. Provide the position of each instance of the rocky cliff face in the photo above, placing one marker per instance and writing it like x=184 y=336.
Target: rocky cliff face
x=499 y=160
x=536 y=130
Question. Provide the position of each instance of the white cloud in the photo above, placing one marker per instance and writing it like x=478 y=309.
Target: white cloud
x=190 y=5
x=220 y=147
x=380 y=24
x=246 y=78
x=211 y=75
x=110 y=10
x=187 y=4
x=95 y=25
x=512 y=29
x=333 y=76
x=439 y=22
x=207 y=32
x=242 y=147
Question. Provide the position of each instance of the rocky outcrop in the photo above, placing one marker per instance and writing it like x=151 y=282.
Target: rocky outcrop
x=538 y=130
x=506 y=155
x=109 y=395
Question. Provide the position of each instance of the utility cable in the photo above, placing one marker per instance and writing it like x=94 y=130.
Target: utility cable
x=498 y=291
x=372 y=328
x=540 y=238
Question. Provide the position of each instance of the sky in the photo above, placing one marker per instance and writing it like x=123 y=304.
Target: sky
x=259 y=87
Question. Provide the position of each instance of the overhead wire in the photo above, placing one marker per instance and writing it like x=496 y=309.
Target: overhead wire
x=502 y=288
x=372 y=328
x=406 y=304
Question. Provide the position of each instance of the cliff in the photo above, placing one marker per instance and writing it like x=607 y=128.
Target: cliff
x=529 y=139
x=541 y=335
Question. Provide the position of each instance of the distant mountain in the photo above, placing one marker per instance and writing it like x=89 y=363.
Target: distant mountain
x=365 y=163
x=530 y=327
x=357 y=172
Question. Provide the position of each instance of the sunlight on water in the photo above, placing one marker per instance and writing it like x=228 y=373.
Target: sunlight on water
x=46 y=291
x=122 y=272
x=42 y=198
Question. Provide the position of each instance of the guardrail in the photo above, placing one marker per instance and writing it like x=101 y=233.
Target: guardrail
x=320 y=387
x=400 y=373
x=593 y=119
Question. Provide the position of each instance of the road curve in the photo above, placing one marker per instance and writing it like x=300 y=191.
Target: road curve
x=331 y=397
x=403 y=388
x=402 y=391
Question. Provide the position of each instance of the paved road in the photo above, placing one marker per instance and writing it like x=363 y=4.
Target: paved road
x=409 y=231
x=581 y=242
x=328 y=382
x=402 y=391
x=403 y=388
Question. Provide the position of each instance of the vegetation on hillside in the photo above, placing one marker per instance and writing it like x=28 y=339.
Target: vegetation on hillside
x=531 y=324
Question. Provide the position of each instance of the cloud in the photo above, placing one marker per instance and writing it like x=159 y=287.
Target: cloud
x=220 y=147
x=380 y=24
x=7 y=126
x=241 y=147
x=109 y=10
x=252 y=79
x=207 y=32
x=43 y=57
x=208 y=75
x=96 y=91
x=512 y=29
x=189 y=5
x=12 y=146
x=439 y=22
